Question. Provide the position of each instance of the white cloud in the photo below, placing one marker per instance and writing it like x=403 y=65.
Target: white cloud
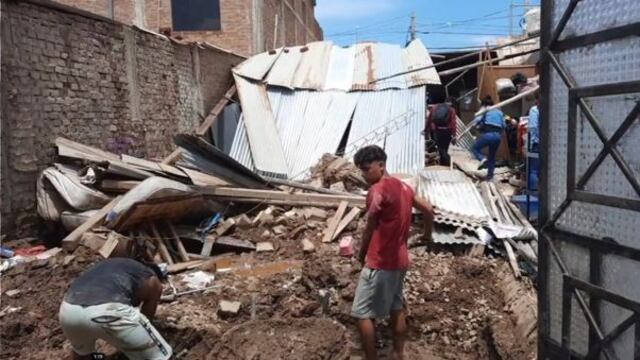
x=350 y=9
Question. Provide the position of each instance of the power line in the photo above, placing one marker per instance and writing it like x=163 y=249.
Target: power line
x=374 y=24
x=460 y=33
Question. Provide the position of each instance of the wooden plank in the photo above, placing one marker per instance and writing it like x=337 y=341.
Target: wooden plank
x=72 y=149
x=208 y=245
x=297 y=185
x=236 y=243
x=118 y=186
x=70 y=242
x=153 y=166
x=187 y=265
x=512 y=259
x=171 y=158
x=109 y=246
x=164 y=252
x=346 y=221
x=181 y=250
x=267 y=195
x=217 y=109
x=333 y=223
x=201 y=179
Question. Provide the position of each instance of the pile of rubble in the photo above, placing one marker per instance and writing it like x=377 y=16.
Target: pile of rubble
x=182 y=214
x=249 y=262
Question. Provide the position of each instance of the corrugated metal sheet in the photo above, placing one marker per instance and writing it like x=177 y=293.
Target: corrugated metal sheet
x=312 y=69
x=283 y=71
x=364 y=66
x=405 y=146
x=393 y=120
x=325 y=66
x=340 y=71
x=256 y=67
x=459 y=200
x=240 y=147
x=467 y=140
x=452 y=235
x=259 y=121
x=415 y=56
x=389 y=63
x=308 y=122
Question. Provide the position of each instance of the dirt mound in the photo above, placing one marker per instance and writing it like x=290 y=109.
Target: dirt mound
x=308 y=339
x=41 y=287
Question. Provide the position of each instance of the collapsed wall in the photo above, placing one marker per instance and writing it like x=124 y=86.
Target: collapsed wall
x=69 y=73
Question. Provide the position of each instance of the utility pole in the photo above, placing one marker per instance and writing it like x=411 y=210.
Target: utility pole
x=413 y=25
x=511 y=19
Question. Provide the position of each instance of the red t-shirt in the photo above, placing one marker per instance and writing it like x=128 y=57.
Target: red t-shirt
x=392 y=201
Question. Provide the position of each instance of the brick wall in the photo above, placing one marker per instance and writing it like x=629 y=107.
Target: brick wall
x=97 y=82
x=296 y=21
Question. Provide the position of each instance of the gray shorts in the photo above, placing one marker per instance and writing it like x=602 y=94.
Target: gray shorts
x=378 y=294
x=122 y=326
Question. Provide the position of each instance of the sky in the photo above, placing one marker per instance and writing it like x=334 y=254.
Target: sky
x=441 y=24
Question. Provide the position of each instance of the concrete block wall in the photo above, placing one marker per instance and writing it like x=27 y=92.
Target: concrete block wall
x=97 y=82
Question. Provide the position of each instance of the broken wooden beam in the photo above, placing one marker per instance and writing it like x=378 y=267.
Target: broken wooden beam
x=208 y=245
x=346 y=221
x=159 y=241
x=217 y=109
x=206 y=124
x=181 y=250
x=70 y=242
x=187 y=265
x=334 y=222
x=513 y=262
x=282 y=198
x=297 y=185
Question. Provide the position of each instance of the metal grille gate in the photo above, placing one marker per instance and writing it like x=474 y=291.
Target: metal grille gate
x=589 y=248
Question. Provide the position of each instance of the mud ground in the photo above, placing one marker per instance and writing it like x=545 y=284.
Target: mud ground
x=460 y=307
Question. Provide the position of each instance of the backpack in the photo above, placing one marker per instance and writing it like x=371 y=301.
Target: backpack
x=440 y=116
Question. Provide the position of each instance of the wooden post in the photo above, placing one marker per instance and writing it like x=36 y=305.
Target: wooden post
x=181 y=250
x=164 y=252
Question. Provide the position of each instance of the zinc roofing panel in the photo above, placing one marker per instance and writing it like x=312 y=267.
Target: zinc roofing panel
x=256 y=67
x=340 y=70
x=262 y=133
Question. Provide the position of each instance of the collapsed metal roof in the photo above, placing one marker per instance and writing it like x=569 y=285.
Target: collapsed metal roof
x=324 y=66
x=312 y=123
x=300 y=102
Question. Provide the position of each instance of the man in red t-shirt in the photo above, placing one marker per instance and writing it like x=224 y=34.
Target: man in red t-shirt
x=384 y=251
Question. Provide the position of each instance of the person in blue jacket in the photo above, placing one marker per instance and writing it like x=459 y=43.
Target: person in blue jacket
x=491 y=124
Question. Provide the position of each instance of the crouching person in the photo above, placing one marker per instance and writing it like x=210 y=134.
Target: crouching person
x=103 y=304
x=384 y=252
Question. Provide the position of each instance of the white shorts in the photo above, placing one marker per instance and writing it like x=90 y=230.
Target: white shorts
x=122 y=326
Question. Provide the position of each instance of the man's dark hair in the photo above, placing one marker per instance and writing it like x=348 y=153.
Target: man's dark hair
x=487 y=101
x=162 y=276
x=369 y=154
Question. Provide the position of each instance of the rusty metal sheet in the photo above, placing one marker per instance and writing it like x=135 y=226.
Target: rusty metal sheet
x=257 y=66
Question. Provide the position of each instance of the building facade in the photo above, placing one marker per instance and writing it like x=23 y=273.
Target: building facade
x=243 y=26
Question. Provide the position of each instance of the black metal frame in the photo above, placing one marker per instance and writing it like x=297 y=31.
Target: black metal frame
x=589 y=294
